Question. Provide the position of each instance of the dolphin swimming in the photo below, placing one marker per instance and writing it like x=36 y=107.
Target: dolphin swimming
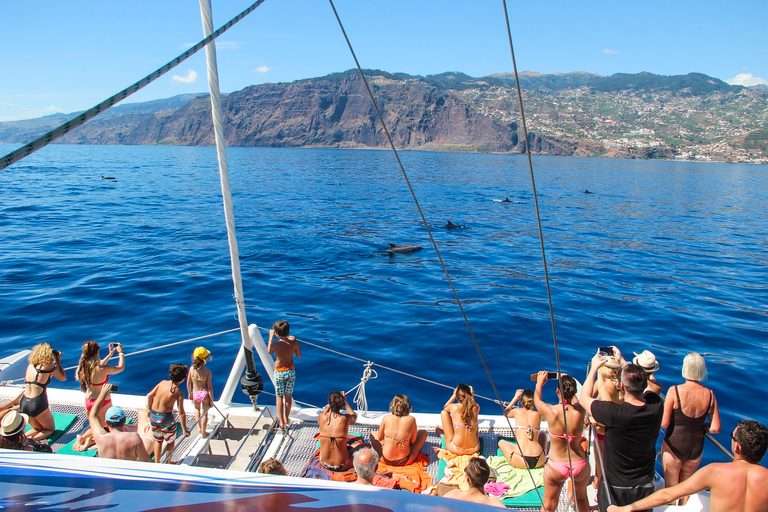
x=586 y=191
x=451 y=225
x=403 y=249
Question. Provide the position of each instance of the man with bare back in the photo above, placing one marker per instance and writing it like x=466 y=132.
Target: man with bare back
x=117 y=443
x=161 y=401
x=284 y=347
x=738 y=486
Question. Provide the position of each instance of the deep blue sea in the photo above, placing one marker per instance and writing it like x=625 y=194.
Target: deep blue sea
x=666 y=256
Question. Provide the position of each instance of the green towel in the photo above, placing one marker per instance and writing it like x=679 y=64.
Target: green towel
x=68 y=450
x=61 y=422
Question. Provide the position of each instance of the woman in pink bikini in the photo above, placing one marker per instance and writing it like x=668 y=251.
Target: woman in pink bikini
x=563 y=445
x=460 y=422
x=93 y=373
x=200 y=388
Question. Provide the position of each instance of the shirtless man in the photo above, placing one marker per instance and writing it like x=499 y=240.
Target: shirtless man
x=161 y=401
x=334 y=428
x=366 y=460
x=477 y=474
x=285 y=376
x=738 y=486
x=117 y=443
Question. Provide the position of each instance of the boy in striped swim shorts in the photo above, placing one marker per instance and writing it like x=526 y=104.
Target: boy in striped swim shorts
x=161 y=401
x=284 y=347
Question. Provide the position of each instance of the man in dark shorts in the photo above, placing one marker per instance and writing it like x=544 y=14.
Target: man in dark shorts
x=631 y=431
x=738 y=486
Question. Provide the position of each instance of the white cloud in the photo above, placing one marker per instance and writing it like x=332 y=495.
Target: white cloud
x=610 y=52
x=228 y=45
x=7 y=104
x=747 y=80
x=189 y=79
x=262 y=70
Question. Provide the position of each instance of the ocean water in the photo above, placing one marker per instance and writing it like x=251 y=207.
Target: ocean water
x=665 y=256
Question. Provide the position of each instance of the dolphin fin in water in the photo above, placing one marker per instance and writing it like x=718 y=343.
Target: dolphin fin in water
x=403 y=249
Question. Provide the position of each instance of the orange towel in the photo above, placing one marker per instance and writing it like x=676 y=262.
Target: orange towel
x=413 y=477
x=454 y=469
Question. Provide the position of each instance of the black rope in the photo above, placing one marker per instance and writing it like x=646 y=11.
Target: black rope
x=73 y=123
x=416 y=201
x=541 y=235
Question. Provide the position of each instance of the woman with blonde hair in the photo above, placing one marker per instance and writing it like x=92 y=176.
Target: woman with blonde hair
x=687 y=409
x=607 y=389
x=531 y=442
x=44 y=362
x=398 y=440
x=460 y=422
x=93 y=373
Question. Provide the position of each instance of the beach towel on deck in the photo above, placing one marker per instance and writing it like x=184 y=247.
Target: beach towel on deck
x=519 y=480
x=413 y=477
x=314 y=469
x=62 y=422
x=453 y=474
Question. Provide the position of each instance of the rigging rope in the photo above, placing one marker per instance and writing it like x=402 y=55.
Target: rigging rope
x=541 y=237
x=426 y=224
x=416 y=202
x=63 y=129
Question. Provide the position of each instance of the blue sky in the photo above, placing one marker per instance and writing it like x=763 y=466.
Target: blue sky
x=59 y=56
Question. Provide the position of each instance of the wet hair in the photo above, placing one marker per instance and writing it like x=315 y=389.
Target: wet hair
x=694 y=367
x=568 y=385
x=366 y=469
x=89 y=360
x=753 y=440
x=477 y=472
x=400 y=406
x=526 y=399
x=467 y=401
x=178 y=372
x=634 y=378
x=336 y=401
x=281 y=328
x=41 y=354
x=118 y=424
x=272 y=466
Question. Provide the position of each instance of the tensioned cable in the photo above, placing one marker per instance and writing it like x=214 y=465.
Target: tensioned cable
x=426 y=225
x=44 y=140
x=416 y=201
x=541 y=238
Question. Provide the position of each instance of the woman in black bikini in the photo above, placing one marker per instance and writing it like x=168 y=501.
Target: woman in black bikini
x=334 y=429
x=44 y=362
x=684 y=441
x=398 y=440
x=530 y=450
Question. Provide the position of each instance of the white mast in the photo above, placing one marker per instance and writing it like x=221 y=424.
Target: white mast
x=252 y=378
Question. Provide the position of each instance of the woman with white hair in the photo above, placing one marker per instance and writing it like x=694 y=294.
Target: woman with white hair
x=687 y=409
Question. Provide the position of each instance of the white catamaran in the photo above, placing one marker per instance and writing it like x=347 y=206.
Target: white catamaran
x=217 y=471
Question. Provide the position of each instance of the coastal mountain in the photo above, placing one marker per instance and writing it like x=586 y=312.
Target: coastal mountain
x=623 y=115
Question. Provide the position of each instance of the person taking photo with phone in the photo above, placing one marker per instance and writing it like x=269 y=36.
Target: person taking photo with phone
x=93 y=373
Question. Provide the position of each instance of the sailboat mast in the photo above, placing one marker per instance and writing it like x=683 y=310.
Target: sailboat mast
x=252 y=377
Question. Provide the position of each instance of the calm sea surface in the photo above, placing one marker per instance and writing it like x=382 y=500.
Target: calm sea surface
x=665 y=256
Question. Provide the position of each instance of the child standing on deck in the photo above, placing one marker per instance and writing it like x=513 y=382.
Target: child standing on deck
x=199 y=387
x=161 y=401
x=285 y=376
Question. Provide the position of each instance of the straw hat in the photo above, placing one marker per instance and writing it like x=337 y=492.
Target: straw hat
x=612 y=363
x=647 y=360
x=13 y=423
x=201 y=353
